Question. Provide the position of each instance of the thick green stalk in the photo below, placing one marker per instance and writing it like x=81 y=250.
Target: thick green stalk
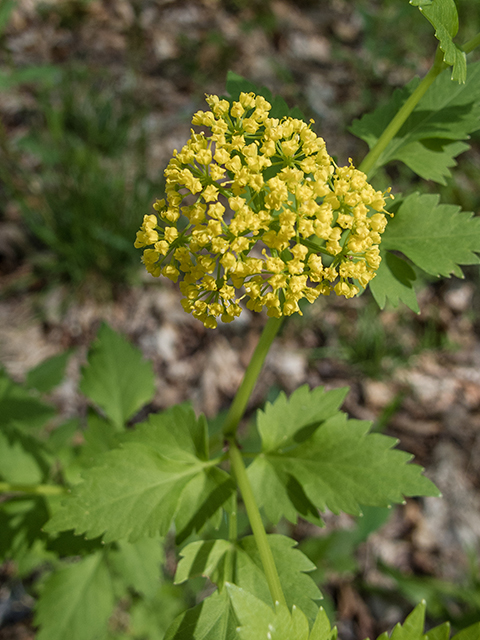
x=35 y=489
x=252 y=372
x=392 y=129
x=256 y=523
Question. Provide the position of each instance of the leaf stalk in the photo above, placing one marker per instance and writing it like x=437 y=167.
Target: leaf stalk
x=34 y=489
x=256 y=523
x=396 y=123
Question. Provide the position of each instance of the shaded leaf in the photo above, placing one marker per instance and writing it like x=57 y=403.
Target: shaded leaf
x=212 y=619
x=206 y=558
x=136 y=489
x=296 y=417
x=76 y=602
x=139 y=564
x=394 y=282
x=19 y=406
x=49 y=373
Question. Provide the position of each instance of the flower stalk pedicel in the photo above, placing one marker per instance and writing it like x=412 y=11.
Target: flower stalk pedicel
x=269 y=216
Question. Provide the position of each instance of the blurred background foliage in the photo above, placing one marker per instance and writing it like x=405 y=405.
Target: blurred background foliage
x=95 y=95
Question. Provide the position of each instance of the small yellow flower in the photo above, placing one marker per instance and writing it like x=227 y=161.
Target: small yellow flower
x=267 y=216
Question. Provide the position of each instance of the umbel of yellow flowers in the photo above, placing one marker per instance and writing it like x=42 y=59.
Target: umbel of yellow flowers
x=267 y=216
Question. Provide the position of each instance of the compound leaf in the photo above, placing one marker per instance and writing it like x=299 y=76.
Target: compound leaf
x=136 y=489
x=77 y=601
x=394 y=281
x=117 y=378
x=470 y=633
x=438 y=238
x=446 y=114
x=212 y=619
x=296 y=416
x=339 y=467
x=208 y=558
x=259 y=621
x=443 y=16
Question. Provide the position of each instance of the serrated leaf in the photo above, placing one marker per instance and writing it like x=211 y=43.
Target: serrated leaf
x=212 y=619
x=18 y=406
x=441 y=632
x=431 y=159
x=136 y=489
x=443 y=16
x=412 y=628
x=117 y=378
x=342 y=466
x=259 y=621
x=296 y=417
x=207 y=558
x=201 y=500
x=76 y=602
x=447 y=112
x=139 y=564
x=394 y=282
x=438 y=238
x=48 y=374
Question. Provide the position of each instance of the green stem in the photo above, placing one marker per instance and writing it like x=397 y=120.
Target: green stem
x=252 y=372
x=35 y=489
x=256 y=523
x=471 y=44
x=392 y=129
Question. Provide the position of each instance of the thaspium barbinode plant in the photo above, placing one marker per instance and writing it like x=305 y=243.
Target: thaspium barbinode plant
x=256 y=214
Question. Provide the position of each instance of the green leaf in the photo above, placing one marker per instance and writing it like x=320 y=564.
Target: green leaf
x=431 y=159
x=150 y=618
x=18 y=406
x=201 y=499
x=443 y=16
x=21 y=522
x=447 y=113
x=77 y=601
x=207 y=559
x=49 y=373
x=22 y=458
x=394 y=282
x=212 y=619
x=441 y=632
x=298 y=416
x=339 y=467
x=438 y=238
x=259 y=621
x=412 y=628
x=470 y=633
x=136 y=489
x=117 y=379
x=100 y=436
x=139 y=564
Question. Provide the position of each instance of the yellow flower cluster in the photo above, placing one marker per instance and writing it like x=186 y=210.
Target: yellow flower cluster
x=257 y=209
